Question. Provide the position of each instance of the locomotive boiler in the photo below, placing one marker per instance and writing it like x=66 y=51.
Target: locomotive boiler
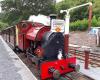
x=46 y=46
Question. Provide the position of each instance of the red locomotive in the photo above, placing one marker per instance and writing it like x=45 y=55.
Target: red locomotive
x=45 y=41
x=46 y=46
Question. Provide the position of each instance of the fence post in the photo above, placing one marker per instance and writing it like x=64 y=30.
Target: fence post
x=87 y=52
x=0 y=33
x=74 y=52
x=9 y=34
x=98 y=38
x=14 y=29
x=6 y=35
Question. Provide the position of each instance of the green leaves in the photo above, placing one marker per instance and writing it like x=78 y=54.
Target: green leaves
x=16 y=10
x=3 y=25
x=82 y=25
x=79 y=25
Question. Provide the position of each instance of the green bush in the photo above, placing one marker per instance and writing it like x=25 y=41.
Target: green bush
x=98 y=24
x=3 y=25
x=79 y=25
x=94 y=21
x=82 y=25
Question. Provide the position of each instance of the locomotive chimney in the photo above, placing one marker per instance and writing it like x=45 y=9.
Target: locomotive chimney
x=52 y=16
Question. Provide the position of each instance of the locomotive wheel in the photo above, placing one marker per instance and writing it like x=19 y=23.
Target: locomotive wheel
x=56 y=74
x=27 y=53
x=77 y=68
x=16 y=50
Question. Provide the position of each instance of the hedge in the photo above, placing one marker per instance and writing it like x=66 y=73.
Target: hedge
x=79 y=25
x=3 y=25
x=82 y=25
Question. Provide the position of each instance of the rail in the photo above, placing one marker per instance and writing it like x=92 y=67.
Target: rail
x=86 y=56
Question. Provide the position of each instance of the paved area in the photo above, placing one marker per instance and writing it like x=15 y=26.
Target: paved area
x=93 y=72
x=11 y=67
x=84 y=39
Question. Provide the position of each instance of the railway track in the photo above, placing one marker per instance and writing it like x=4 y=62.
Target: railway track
x=94 y=58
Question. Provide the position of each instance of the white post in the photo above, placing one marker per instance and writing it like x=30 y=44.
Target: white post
x=67 y=21
x=98 y=37
x=17 y=36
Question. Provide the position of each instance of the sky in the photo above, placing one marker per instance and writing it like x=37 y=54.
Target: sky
x=0 y=6
x=0 y=9
x=58 y=0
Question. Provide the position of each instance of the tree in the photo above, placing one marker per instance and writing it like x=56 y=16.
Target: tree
x=96 y=8
x=80 y=13
x=16 y=10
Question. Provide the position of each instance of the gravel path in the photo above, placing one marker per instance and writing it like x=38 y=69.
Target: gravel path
x=84 y=39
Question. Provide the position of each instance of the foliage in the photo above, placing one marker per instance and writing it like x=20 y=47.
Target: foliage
x=80 y=13
x=76 y=14
x=79 y=25
x=79 y=17
x=96 y=8
x=3 y=25
x=94 y=21
x=16 y=10
x=65 y=4
x=82 y=25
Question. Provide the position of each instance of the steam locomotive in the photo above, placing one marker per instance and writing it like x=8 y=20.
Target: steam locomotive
x=46 y=46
